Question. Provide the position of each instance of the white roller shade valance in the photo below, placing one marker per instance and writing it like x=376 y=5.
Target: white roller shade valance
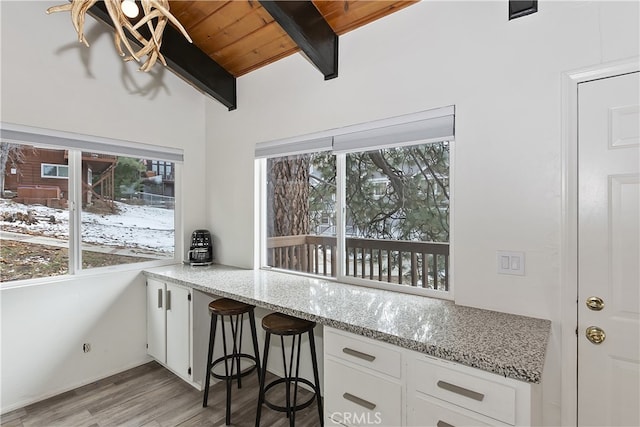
x=421 y=127
x=394 y=132
x=298 y=145
x=67 y=140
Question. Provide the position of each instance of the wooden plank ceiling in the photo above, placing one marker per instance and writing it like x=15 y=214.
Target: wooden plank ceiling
x=242 y=36
x=233 y=38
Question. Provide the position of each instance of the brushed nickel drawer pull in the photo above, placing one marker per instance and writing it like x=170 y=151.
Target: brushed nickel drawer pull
x=168 y=300
x=461 y=391
x=358 y=401
x=358 y=354
x=444 y=424
x=159 y=298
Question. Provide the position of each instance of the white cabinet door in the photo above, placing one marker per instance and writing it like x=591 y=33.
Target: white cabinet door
x=169 y=326
x=156 y=331
x=178 y=329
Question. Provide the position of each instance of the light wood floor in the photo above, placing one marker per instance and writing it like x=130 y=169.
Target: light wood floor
x=151 y=396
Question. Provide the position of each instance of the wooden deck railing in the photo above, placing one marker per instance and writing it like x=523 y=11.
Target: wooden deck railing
x=420 y=264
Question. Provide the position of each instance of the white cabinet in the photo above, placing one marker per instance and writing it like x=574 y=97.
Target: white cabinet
x=425 y=411
x=442 y=393
x=169 y=326
x=362 y=381
x=370 y=382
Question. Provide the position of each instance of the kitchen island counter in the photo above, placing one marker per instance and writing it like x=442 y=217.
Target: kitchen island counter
x=505 y=344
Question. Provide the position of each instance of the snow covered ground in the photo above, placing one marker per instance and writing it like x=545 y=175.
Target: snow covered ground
x=135 y=227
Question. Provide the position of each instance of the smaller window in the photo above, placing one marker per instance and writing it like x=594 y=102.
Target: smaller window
x=54 y=171
x=126 y=217
x=163 y=169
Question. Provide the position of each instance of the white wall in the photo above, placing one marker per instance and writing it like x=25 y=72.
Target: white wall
x=503 y=77
x=49 y=80
x=45 y=326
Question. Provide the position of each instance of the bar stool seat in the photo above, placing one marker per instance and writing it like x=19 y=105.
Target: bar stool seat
x=235 y=311
x=282 y=324
x=229 y=307
x=285 y=325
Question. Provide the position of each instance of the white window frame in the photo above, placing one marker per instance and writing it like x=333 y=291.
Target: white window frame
x=75 y=144
x=57 y=176
x=408 y=130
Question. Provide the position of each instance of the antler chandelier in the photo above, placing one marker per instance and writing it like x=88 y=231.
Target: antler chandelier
x=155 y=16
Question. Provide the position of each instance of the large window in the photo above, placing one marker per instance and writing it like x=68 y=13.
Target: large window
x=369 y=204
x=43 y=235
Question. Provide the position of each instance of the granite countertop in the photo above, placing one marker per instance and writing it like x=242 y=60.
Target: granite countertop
x=506 y=344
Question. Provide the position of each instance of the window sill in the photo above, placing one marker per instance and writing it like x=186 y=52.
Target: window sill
x=84 y=274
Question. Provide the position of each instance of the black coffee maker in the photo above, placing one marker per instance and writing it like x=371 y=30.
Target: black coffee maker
x=201 y=251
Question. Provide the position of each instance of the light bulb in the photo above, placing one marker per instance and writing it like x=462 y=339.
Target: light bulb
x=130 y=8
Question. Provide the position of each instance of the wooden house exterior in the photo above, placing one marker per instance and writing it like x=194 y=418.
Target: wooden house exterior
x=41 y=176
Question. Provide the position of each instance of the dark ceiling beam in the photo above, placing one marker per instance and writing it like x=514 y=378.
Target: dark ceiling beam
x=187 y=61
x=311 y=32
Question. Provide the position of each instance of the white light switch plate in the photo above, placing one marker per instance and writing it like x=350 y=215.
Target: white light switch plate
x=510 y=262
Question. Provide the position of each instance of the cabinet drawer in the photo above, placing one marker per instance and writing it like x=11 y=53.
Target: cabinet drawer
x=363 y=351
x=467 y=390
x=354 y=397
x=426 y=412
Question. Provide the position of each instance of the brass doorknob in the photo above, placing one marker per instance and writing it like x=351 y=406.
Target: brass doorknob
x=595 y=334
x=595 y=303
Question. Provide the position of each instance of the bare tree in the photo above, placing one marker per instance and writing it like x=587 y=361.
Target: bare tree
x=10 y=154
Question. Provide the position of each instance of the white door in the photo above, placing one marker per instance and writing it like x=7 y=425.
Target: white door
x=608 y=251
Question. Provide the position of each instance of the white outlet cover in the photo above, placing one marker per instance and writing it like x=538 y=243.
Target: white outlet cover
x=510 y=262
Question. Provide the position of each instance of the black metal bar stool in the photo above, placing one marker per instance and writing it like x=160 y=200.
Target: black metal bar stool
x=235 y=310
x=283 y=325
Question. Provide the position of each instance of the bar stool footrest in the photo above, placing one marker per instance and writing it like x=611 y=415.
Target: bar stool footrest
x=233 y=358
x=298 y=406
